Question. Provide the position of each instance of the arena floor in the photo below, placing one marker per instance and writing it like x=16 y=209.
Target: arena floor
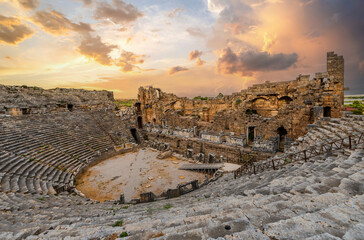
x=132 y=174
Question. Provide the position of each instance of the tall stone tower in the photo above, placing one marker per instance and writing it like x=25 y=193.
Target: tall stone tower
x=335 y=68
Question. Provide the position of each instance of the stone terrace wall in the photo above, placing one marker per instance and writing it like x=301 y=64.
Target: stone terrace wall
x=18 y=100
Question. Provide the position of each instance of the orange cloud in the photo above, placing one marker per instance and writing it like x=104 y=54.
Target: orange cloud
x=177 y=69
x=29 y=4
x=94 y=48
x=56 y=23
x=128 y=61
x=13 y=31
x=194 y=54
x=119 y=12
x=200 y=62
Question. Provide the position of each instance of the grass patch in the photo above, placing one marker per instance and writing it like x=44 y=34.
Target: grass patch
x=123 y=234
x=125 y=207
x=125 y=103
x=41 y=199
x=118 y=223
x=167 y=206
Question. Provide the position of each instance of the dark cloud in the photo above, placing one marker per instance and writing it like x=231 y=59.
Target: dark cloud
x=29 y=4
x=94 y=48
x=118 y=12
x=245 y=63
x=129 y=60
x=57 y=24
x=176 y=69
x=343 y=22
x=13 y=31
x=194 y=54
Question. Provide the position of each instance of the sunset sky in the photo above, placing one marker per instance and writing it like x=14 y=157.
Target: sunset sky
x=188 y=47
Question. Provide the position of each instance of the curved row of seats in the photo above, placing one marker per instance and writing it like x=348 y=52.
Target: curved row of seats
x=318 y=199
x=43 y=153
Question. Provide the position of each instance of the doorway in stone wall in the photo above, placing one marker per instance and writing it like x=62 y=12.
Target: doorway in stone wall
x=140 y=122
x=138 y=107
x=133 y=132
x=251 y=135
x=282 y=132
x=327 y=111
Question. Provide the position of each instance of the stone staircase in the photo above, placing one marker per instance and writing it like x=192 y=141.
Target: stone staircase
x=318 y=199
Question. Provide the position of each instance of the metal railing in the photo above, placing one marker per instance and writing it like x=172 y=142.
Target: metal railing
x=313 y=151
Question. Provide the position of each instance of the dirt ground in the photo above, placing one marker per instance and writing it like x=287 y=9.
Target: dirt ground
x=132 y=174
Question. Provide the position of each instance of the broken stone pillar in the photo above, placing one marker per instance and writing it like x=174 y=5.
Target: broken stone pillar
x=194 y=184
x=122 y=199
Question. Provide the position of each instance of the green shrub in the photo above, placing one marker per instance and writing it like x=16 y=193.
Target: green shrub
x=357 y=112
x=200 y=98
x=123 y=234
x=167 y=206
x=118 y=223
x=220 y=95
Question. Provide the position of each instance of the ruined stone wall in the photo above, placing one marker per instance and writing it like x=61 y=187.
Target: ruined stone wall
x=19 y=100
x=201 y=150
x=277 y=112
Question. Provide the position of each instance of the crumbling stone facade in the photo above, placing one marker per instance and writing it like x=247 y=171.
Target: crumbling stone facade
x=265 y=117
x=21 y=100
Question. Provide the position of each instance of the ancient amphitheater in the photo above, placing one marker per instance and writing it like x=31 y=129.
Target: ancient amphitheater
x=301 y=157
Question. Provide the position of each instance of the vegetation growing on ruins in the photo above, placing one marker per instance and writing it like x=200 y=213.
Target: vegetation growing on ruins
x=118 y=223
x=167 y=206
x=123 y=234
x=122 y=103
x=200 y=98
x=358 y=107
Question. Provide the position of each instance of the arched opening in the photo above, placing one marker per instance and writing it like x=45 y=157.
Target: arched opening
x=154 y=121
x=251 y=112
x=140 y=122
x=327 y=111
x=251 y=135
x=282 y=132
x=178 y=143
x=138 y=106
x=284 y=101
x=262 y=107
x=133 y=132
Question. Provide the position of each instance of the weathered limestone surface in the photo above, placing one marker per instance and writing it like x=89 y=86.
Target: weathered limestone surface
x=268 y=116
x=18 y=100
x=320 y=199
